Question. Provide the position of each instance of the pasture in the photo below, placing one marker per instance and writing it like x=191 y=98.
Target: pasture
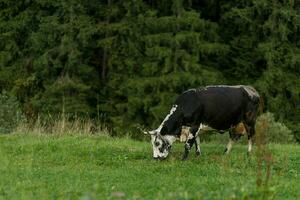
x=100 y=167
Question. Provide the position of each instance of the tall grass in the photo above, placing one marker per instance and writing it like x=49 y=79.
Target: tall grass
x=63 y=125
x=264 y=159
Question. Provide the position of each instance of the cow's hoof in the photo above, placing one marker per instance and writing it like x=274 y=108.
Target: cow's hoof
x=226 y=151
x=198 y=153
x=184 y=157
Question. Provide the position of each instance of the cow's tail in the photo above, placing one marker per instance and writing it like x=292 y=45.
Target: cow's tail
x=261 y=105
x=258 y=102
x=255 y=98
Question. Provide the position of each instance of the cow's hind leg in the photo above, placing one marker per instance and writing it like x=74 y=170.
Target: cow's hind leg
x=229 y=146
x=251 y=132
x=233 y=137
x=250 y=119
x=197 y=144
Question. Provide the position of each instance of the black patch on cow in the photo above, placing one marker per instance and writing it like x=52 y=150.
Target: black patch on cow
x=165 y=145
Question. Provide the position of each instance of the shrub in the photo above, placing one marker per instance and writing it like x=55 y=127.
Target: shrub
x=10 y=113
x=276 y=132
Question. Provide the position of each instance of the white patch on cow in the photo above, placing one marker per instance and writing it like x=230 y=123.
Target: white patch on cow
x=170 y=138
x=229 y=146
x=250 y=91
x=249 y=145
x=156 y=140
x=202 y=126
x=225 y=86
x=190 y=90
x=173 y=109
x=184 y=133
x=190 y=136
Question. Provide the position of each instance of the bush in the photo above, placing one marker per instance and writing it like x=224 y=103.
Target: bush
x=10 y=113
x=276 y=132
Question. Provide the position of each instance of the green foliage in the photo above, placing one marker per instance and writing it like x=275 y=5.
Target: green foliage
x=10 y=113
x=128 y=60
x=264 y=41
x=70 y=167
x=275 y=131
x=170 y=63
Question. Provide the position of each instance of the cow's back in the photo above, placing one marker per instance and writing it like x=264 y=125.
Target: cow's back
x=221 y=106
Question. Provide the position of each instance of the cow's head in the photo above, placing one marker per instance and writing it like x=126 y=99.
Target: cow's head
x=161 y=144
x=163 y=137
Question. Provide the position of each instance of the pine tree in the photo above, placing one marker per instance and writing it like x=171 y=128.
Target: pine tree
x=264 y=51
x=128 y=60
x=160 y=57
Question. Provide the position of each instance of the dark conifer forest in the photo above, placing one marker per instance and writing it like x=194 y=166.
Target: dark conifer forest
x=125 y=62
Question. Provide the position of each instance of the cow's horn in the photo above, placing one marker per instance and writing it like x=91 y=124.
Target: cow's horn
x=152 y=132
x=146 y=132
x=142 y=130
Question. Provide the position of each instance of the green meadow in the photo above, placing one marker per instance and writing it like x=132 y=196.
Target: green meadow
x=98 y=167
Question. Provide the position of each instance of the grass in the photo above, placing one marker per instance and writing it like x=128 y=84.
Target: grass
x=95 y=167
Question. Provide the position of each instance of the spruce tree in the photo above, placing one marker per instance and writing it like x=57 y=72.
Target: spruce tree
x=159 y=58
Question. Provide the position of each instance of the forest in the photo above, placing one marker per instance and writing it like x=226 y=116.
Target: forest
x=125 y=62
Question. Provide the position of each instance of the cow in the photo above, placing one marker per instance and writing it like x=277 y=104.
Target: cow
x=220 y=107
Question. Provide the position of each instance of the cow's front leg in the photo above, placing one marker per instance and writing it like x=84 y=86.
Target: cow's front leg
x=197 y=140
x=197 y=144
x=187 y=147
x=192 y=138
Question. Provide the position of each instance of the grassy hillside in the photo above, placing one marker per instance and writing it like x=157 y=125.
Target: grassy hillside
x=90 y=167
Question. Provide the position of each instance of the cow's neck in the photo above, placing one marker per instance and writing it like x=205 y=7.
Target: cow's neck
x=173 y=109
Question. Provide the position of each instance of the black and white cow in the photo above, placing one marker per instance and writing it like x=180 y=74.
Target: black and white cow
x=220 y=107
